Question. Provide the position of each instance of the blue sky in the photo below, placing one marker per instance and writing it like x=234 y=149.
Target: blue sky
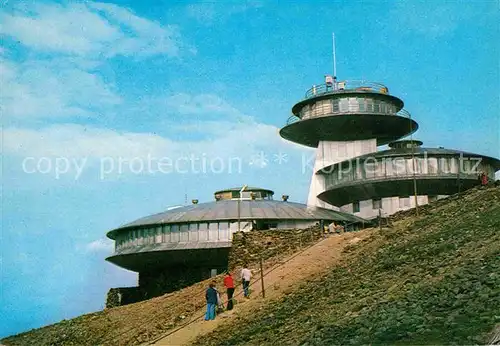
x=87 y=85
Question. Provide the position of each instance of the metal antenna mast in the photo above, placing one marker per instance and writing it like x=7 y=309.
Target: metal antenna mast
x=334 y=56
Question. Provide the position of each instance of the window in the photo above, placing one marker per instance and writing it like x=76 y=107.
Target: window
x=158 y=237
x=388 y=167
x=358 y=172
x=421 y=168
x=383 y=108
x=369 y=169
x=379 y=169
x=344 y=105
x=326 y=107
x=432 y=165
x=409 y=165
x=453 y=165
x=404 y=202
x=213 y=231
x=147 y=236
x=224 y=230
x=353 y=104
x=355 y=207
x=165 y=230
x=444 y=165
x=174 y=234
x=377 y=203
x=335 y=105
x=203 y=231
x=399 y=166
x=184 y=233
x=313 y=109
x=361 y=102
x=369 y=105
x=246 y=195
x=305 y=113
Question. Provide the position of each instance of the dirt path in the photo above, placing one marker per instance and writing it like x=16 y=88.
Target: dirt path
x=278 y=281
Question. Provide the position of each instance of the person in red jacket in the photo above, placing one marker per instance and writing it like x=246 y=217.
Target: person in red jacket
x=229 y=284
x=484 y=179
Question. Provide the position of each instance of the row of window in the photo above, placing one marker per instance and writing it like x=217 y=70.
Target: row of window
x=404 y=202
x=176 y=233
x=393 y=167
x=347 y=105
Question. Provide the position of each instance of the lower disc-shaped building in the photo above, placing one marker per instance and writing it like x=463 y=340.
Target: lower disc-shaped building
x=184 y=245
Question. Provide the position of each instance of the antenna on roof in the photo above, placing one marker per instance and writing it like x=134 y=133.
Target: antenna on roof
x=334 y=57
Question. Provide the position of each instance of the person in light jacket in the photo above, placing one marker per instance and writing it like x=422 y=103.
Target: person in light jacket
x=246 y=275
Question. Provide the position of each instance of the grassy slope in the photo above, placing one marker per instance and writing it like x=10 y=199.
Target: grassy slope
x=432 y=279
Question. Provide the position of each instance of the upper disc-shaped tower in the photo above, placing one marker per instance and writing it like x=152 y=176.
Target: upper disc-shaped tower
x=348 y=111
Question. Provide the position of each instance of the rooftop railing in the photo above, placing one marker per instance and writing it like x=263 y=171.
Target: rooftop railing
x=346 y=85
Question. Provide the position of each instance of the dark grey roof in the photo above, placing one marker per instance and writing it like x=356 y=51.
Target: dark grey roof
x=418 y=151
x=249 y=210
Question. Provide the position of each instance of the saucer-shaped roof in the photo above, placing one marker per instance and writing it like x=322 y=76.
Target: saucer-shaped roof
x=249 y=210
x=418 y=151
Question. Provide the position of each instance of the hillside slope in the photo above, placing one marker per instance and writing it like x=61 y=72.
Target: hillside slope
x=144 y=321
x=433 y=279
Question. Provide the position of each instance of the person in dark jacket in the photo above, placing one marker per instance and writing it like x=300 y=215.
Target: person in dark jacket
x=211 y=296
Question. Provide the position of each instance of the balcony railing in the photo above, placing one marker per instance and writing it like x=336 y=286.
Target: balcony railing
x=404 y=113
x=345 y=86
x=293 y=119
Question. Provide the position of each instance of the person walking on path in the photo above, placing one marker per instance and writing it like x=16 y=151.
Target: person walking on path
x=246 y=275
x=211 y=297
x=484 y=179
x=229 y=284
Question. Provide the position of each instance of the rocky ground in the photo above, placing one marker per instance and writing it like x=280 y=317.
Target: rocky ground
x=432 y=279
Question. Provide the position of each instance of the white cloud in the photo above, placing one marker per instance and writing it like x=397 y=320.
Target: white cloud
x=200 y=104
x=90 y=29
x=100 y=245
x=186 y=111
x=70 y=140
x=37 y=90
x=148 y=37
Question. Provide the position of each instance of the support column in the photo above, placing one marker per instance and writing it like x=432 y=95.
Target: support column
x=331 y=152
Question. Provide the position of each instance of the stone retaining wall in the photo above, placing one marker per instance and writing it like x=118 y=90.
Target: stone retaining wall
x=123 y=296
x=249 y=247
